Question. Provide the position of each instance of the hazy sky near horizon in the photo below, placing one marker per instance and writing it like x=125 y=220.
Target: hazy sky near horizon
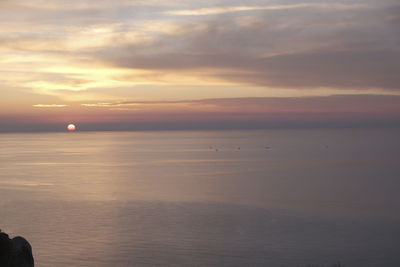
x=175 y=61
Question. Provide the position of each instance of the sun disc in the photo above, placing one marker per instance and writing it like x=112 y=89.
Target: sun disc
x=71 y=127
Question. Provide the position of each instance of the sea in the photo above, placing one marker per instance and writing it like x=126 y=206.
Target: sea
x=274 y=198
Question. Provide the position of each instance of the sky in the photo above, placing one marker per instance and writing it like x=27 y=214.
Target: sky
x=188 y=64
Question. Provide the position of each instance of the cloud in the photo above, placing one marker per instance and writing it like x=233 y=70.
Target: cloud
x=230 y=9
x=109 y=50
x=49 y=106
x=335 y=103
x=346 y=69
x=105 y=104
x=344 y=48
x=338 y=69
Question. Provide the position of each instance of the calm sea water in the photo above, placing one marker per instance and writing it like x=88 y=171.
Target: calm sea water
x=245 y=198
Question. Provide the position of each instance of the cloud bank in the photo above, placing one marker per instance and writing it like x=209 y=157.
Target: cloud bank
x=153 y=57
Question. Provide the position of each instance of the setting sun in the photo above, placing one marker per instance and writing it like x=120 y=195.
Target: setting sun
x=71 y=127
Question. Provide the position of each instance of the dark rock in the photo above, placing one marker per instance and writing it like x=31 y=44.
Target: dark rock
x=5 y=250
x=22 y=253
x=16 y=252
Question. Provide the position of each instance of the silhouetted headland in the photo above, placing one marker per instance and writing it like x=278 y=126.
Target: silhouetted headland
x=16 y=252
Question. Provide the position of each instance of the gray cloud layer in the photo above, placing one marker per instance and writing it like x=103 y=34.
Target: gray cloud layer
x=68 y=50
x=372 y=104
x=299 y=47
